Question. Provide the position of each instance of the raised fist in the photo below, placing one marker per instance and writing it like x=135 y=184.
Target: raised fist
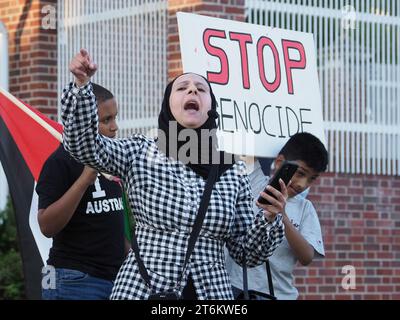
x=82 y=67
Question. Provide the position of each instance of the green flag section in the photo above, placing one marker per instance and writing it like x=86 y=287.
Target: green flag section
x=128 y=217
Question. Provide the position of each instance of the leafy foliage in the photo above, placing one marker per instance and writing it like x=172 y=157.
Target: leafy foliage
x=11 y=275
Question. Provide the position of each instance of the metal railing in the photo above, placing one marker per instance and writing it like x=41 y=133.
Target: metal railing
x=127 y=39
x=358 y=49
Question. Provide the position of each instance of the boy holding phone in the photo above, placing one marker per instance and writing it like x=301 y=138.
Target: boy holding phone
x=303 y=239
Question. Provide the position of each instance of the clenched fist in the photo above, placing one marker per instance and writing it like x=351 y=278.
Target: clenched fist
x=88 y=176
x=82 y=67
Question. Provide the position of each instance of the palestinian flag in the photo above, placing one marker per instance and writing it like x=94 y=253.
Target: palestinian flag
x=27 y=139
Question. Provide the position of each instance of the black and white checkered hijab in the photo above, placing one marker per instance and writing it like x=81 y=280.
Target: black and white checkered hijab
x=165 y=117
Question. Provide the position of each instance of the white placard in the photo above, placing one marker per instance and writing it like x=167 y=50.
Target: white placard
x=265 y=81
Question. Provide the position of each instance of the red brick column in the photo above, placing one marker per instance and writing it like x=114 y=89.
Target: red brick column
x=225 y=9
x=32 y=53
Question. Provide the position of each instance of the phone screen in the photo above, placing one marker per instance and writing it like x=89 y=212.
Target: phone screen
x=285 y=172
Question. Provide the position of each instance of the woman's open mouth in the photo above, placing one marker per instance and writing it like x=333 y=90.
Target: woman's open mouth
x=191 y=105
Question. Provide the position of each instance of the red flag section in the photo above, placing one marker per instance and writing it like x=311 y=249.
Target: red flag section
x=33 y=141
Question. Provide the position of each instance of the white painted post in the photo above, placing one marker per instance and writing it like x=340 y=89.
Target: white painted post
x=4 y=85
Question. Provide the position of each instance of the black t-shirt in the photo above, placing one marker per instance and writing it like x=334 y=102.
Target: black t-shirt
x=93 y=240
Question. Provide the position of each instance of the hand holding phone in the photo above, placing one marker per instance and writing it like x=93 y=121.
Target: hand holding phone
x=285 y=172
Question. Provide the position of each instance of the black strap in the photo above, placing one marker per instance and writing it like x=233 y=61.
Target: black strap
x=142 y=268
x=212 y=178
x=245 y=280
x=270 y=284
x=246 y=295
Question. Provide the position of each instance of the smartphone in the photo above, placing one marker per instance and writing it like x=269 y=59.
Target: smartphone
x=285 y=172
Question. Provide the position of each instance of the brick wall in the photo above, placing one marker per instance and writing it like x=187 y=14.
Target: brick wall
x=360 y=219
x=32 y=54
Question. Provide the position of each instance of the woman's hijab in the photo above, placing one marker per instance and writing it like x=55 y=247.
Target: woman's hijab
x=205 y=145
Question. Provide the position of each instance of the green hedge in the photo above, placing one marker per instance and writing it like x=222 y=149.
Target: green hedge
x=11 y=275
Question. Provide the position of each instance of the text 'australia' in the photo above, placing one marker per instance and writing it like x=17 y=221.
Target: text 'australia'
x=104 y=206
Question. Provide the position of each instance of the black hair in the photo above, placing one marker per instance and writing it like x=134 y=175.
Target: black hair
x=306 y=147
x=101 y=93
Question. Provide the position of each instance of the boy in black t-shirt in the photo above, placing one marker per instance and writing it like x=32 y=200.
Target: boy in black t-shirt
x=82 y=211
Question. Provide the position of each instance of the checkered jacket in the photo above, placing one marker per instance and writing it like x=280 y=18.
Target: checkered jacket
x=164 y=195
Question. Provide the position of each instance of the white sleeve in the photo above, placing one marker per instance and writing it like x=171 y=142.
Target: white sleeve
x=310 y=228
